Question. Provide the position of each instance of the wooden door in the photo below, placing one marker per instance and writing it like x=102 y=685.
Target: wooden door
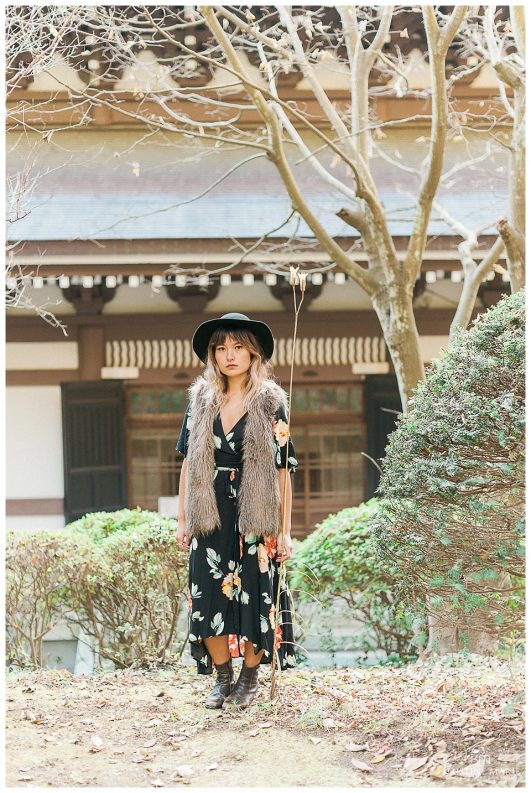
x=382 y=406
x=93 y=447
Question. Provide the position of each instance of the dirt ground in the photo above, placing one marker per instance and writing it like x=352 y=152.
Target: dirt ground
x=456 y=722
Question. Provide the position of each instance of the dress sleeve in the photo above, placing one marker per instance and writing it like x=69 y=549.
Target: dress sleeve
x=182 y=443
x=283 y=444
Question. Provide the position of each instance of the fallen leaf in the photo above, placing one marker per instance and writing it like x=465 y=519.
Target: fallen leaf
x=182 y=771
x=157 y=783
x=97 y=744
x=263 y=725
x=150 y=743
x=360 y=765
x=253 y=733
x=378 y=758
x=437 y=772
x=412 y=763
x=315 y=740
x=356 y=747
x=24 y=778
x=212 y=766
x=472 y=771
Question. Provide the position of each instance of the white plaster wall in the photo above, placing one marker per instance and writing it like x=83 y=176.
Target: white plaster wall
x=246 y=299
x=341 y=297
x=34 y=443
x=26 y=355
x=142 y=299
x=433 y=347
x=32 y=523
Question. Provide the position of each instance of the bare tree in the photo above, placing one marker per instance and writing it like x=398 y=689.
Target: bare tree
x=502 y=44
x=19 y=192
x=222 y=72
x=250 y=51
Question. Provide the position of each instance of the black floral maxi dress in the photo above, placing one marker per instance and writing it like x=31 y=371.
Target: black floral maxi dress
x=233 y=580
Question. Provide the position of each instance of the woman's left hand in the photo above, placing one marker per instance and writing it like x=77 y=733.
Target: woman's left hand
x=284 y=547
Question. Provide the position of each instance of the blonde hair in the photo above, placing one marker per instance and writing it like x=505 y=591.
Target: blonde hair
x=259 y=370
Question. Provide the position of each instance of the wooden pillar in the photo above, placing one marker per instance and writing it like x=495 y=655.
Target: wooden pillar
x=88 y=302
x=91 y=349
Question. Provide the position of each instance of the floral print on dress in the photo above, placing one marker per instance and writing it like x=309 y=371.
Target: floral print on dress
x=233 y=579
x=281 y=432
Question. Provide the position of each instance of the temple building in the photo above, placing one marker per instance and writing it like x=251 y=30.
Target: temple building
x=113 y=214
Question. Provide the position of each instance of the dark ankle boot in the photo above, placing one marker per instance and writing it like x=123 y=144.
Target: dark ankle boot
x=245 y=688
x=223 y=686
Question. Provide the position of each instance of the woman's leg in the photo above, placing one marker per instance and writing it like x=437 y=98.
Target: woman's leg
x=246 y=686
x=218 y=647
x=249 y=657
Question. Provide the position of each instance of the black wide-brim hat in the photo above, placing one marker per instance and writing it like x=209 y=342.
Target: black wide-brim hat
x=234 y=320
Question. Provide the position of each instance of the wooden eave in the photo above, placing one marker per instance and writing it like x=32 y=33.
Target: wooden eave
x=411 y=111
x=155 y=257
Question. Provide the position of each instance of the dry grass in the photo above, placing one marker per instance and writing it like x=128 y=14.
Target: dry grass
x=460 y=721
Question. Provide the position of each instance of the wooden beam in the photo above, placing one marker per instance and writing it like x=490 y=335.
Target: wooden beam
x=181 y=325
x=155 y=257
x=23 y=108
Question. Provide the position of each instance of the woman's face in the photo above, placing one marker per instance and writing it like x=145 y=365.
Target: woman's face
x=232 y=357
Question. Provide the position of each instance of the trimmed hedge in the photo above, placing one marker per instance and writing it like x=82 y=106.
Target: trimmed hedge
x=120 y=576
x=452 y=517
x=340 y=560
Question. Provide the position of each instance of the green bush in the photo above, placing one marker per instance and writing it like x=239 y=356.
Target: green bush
x=452 y=517
x=130 y=597
x=340 y=560
x=120 y=576
x=99 y=525
x=37 y=591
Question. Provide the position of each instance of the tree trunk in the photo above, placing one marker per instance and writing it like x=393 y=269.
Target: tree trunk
x=516 y=258
x=395 y=311
x=470 y=633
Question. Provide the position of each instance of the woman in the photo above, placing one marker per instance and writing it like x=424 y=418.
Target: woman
x=235 y=440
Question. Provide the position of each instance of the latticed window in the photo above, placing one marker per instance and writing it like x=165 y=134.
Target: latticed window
x=328 y=432
x=154 y=416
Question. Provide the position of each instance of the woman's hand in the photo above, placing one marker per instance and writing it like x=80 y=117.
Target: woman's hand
x=182 y=538
x=284 y=546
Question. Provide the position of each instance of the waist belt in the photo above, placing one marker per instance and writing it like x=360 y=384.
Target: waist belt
x=232 y=481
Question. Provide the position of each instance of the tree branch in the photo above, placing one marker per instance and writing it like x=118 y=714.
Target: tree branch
x=279 y=158
x=515 y=247
x=438 y=43
x=474 y=275
x=297 y=139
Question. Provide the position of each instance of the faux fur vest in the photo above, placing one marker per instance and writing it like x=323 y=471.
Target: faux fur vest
x=259 y=492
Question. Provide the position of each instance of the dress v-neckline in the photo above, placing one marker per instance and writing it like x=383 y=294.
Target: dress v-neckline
x=233 y=427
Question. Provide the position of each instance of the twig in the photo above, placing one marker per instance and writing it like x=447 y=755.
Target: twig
x=282 y=565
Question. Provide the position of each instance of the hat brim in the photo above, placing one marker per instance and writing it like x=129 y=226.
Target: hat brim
x=203 y=333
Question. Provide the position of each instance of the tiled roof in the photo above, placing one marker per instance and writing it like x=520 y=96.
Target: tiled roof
x=98 y=185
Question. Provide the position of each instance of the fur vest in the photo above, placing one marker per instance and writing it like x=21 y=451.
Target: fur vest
x=259 y=492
